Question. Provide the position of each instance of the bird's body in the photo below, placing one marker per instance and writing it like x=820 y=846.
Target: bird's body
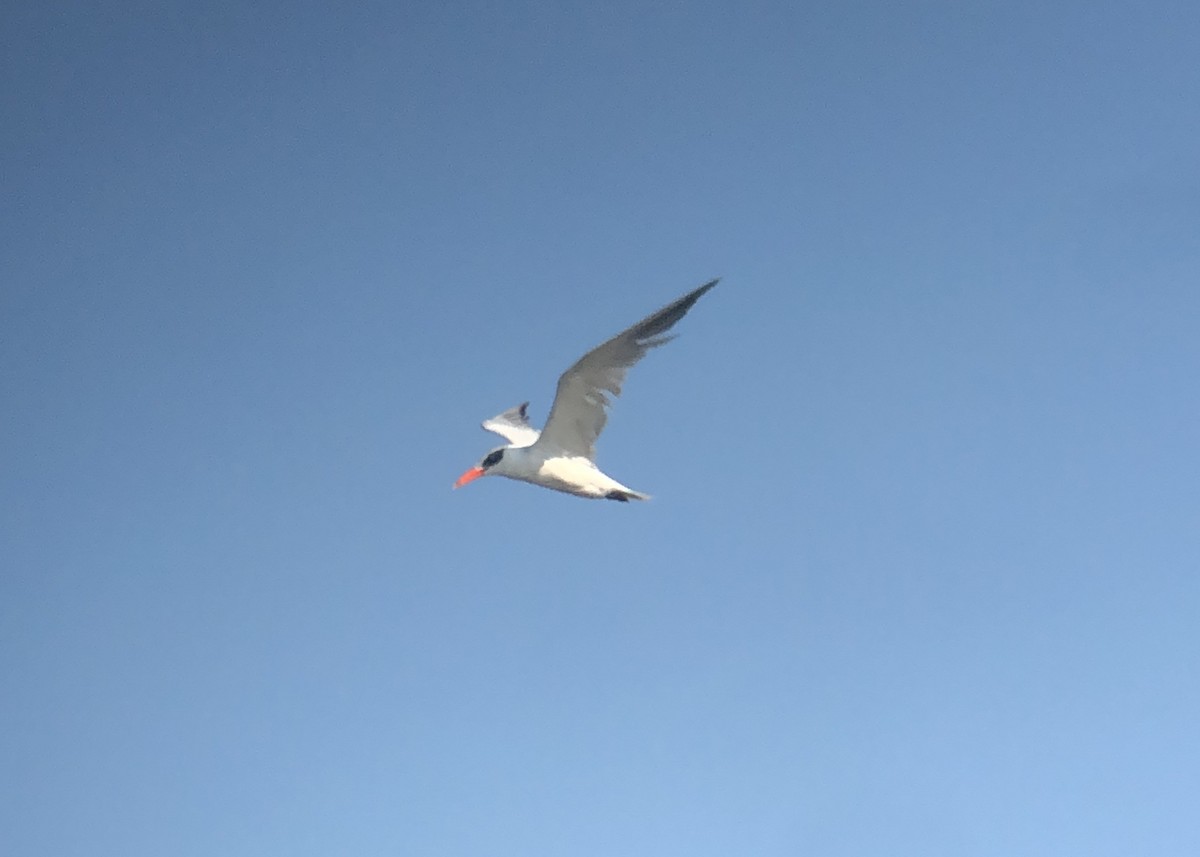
x=572 y=474
x=563 y=456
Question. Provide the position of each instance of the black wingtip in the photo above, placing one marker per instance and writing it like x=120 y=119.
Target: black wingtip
x=699 y=293
x=689 y=300
x=663 y=320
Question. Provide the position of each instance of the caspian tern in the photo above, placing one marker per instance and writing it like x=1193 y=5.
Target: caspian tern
x=562 y=455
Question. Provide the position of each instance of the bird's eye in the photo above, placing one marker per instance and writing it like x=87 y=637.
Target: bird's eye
x=492 y=458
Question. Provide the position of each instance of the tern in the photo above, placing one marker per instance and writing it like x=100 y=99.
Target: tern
x=562 y=456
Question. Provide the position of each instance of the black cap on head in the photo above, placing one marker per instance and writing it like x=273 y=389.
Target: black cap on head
x=492 y=457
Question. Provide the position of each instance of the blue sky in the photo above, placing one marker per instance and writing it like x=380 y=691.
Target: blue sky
x=920 y=574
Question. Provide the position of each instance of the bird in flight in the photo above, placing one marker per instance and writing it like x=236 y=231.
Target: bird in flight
x=562 y=456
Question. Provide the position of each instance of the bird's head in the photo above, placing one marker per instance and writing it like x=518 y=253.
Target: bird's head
x=481 y=469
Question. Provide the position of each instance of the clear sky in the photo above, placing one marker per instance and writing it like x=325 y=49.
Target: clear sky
x=920 y=572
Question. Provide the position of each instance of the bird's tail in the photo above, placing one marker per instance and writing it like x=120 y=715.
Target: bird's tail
x=624 y=495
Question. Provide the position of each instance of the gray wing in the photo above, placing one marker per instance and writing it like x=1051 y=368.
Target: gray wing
x=579 y=415
x=513 y=425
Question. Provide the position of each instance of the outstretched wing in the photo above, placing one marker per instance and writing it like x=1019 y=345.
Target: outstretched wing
x=513 y=425
x=579 y=415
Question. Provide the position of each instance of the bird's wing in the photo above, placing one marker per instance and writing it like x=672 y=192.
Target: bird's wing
x=578 y=414
x=513 y=425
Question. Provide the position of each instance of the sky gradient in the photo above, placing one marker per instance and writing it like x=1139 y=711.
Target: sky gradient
x=920 y=571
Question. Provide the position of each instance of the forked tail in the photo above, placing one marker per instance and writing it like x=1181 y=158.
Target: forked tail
x=625 y=495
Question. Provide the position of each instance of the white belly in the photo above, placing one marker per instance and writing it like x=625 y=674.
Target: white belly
x=576 y=476
x=570 y=474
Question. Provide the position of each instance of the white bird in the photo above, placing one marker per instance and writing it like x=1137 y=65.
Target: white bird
x=562 y=455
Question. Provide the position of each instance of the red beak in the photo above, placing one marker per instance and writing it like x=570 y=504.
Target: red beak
x=470 y=476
